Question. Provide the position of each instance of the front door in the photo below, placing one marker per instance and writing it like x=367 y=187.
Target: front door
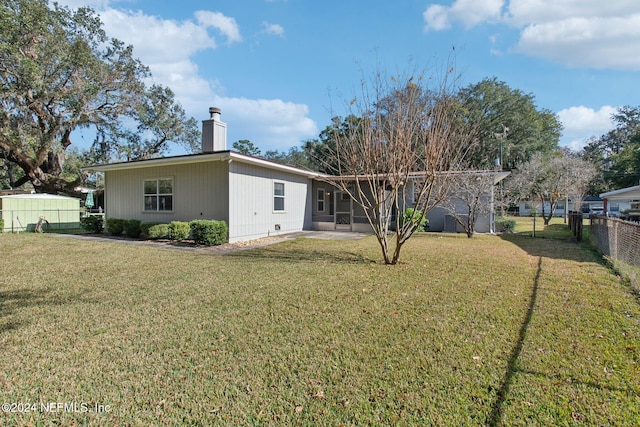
x=343 y=211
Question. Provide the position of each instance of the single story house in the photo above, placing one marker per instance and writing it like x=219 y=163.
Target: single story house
x=619 y=200
x=585 y=206
x=255 y=197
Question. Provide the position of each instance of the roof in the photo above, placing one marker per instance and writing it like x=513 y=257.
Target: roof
x=227 y=155
x=38 y=196
x=623 y=194
x=497 y=175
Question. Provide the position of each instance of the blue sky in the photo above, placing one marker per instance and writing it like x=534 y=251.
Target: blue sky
x=276 y=67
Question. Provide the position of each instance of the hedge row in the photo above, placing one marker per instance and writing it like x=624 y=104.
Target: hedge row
x=130 y=227
x=203 y=232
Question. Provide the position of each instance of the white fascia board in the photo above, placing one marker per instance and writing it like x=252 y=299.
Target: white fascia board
x=272 y=165
x=161 y=161
x=622 y=194
x=200 y=158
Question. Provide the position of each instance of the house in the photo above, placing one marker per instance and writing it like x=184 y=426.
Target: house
x=616 y=201
x=585 y=206
x=255 y=197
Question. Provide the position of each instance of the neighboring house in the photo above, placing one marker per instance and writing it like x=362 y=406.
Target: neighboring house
x=618 y=200
x=255 y=197
x=585 y=206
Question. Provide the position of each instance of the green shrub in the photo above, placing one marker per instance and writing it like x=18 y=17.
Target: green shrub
x=409 y=212
x=504 y=225
x=208 y=232
x=132 y=228
x=115 y=226
x=179 y=230
x=92 y=224
x=155 y=230
x=1 y=225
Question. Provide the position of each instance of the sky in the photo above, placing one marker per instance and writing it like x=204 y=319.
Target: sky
x=280 y=69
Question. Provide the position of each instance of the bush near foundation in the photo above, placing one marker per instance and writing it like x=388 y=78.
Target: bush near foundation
x=179 y=230
x=115 y=226
x=155 y=230
x=209 y=232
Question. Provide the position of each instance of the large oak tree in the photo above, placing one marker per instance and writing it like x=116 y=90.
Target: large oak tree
x=59 y=72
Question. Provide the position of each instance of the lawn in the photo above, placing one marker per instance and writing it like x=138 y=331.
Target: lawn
x=482 y=331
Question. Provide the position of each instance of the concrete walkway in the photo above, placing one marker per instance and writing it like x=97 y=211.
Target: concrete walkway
x=222 y=249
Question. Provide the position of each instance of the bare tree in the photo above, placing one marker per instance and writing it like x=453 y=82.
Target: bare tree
x=472 y=197
x=403 y=132
x=550 y=179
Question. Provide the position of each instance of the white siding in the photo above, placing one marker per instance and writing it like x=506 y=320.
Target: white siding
x=251 y=213
x=200 y=191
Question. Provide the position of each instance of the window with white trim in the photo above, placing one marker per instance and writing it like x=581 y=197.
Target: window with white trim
x=278 y=196
x=320 y=199
x=158 y=195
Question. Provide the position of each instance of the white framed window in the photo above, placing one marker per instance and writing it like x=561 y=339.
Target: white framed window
x=278 y=196
x=158 y=195
x=320 y=199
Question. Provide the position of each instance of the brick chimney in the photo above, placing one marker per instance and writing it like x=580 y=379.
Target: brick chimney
x=214 y=132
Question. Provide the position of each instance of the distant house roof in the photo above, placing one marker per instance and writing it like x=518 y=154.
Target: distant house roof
x=226 y=155
x=629 y=193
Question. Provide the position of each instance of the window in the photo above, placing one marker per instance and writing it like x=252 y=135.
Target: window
x=614 y=207
x=320 y=199
x=158 y=194
x=278 y=196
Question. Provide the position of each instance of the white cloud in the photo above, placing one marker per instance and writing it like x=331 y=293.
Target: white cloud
x=599 y=43
x=469 y=12
x=273 y=29
x=167 y=47
x=226 y=25
x=581 y=33
x=581 y=123
x=268 y=123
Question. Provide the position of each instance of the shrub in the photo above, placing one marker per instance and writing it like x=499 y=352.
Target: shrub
x=155 y=230
x=209 y=232
x=1 y=225
x=115 y=226
x=179 y=230
x=409 y=212
x=92 y=224
x=504 y=225
x=132 y=228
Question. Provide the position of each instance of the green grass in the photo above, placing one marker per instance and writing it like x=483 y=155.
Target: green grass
x=481 y=331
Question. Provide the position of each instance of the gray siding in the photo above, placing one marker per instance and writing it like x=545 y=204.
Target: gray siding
x=251 y=210
x=200 y=191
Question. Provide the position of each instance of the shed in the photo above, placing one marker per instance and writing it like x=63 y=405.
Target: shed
x=21 y=212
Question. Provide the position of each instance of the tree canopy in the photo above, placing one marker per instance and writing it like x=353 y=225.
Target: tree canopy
x=551 y=178
x=59 y=71
x=510 y=128
x=617 y=153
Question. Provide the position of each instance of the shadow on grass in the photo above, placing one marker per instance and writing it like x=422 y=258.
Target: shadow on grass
x=15 y=300
x=573 y=381
x=512 y=365
x=553 y=248
x=286 y=254
x=10 y=301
